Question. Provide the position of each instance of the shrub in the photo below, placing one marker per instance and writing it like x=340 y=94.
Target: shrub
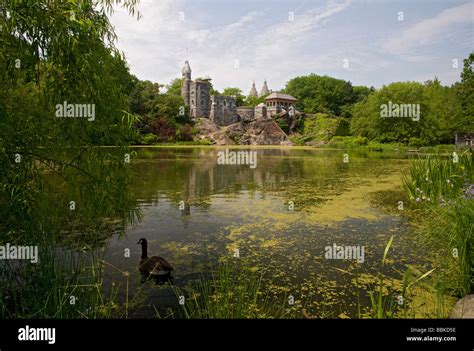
x=163 y=129
x=149 y=139
x=185 y=132
x=417 y=142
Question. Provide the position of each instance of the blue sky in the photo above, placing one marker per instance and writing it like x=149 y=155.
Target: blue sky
x=238 y=41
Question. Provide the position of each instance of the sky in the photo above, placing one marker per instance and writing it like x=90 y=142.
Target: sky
x=236 y=42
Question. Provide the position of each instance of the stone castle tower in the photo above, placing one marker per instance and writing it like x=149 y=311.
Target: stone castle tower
x=197 y=95
x=253 y=90
x=186 y=85
x=265 y=90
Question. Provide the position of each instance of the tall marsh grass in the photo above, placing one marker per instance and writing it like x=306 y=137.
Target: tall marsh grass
x=437 y=179
x=441 y=192
x=232 y=292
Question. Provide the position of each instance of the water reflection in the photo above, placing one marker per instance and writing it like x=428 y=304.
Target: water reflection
x=195 y=211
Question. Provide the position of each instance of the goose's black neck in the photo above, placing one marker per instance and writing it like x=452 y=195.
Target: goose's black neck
x=144 y=249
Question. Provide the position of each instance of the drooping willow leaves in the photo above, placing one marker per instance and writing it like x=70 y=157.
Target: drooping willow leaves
x=51 y=53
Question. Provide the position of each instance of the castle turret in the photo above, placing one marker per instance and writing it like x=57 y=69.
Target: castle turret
x=265 y=90
x=186 y=83
x=253 y=91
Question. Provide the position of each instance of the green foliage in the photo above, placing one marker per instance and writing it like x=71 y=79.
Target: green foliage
x=466 y=92
x=366 y=120
x=447 y=228
x=163 y=114
x=416 y=142
x=443 y=111
x=62 y=58
x=324 y=94
x=437 y=179
x=149 y=139
x=343 y=128
x=174 y=88
x=320 y=127
x=253 y=101
x=143 y=96
x=185 y=133
x=348 y=141
x=441 y=190
x=239 y=97
x=168 y=106
x=233 y=292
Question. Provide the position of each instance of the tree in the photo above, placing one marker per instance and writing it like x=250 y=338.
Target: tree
x=171 y=107
x=466 y=92
x=367 y=121
x=321 y=94
x=253 y=101
x=164 y=129
x=440 y=114
x=239 y=97
x=174 y=88
x=53 y=53
x=143 y=96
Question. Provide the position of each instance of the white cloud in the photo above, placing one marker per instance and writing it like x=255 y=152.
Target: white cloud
x=267 y=44
x=428 y=31
x=157 y=45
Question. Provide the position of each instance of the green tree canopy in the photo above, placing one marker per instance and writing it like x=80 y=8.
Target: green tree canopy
x=239 y=97
x=322 y=94
x=174 y=88
x=439 y=114
x=466 y=92
x=53 y=53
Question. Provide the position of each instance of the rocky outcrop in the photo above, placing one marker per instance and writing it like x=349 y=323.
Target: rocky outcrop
x=464 y=308
x=262 y=131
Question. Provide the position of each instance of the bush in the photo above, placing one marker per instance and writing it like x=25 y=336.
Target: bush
x=163 y=129
x=343 y=129
x=417 y=142
x=149 y=139
x=185 y=133
x=349 y=141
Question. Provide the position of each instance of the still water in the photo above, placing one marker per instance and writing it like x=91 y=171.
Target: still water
x=281 y=216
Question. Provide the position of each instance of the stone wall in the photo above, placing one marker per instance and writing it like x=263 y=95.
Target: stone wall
x=223 y=110
x=246 y=114
x=200 y=104
x=185 y=89
x=260 y=111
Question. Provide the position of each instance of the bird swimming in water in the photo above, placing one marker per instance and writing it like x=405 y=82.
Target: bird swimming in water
x=154 y=265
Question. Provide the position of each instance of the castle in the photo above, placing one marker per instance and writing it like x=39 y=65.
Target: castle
x=196 y=94
x=223 y=110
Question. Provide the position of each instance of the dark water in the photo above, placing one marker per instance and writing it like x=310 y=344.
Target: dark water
x=234 y=207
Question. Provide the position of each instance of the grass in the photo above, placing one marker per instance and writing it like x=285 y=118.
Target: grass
x=440 y=190
x=436 y=179
x=449 y=230
x=233 y=291
x=62 y=284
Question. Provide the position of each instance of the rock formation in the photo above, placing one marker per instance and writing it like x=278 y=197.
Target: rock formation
x=261 y=131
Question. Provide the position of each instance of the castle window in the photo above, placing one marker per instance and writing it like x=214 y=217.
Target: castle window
x=202 y=102
x=192 y=102
x=223 y=102
x=217 y=102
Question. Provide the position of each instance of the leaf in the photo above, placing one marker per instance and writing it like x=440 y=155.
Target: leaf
x=386 y=250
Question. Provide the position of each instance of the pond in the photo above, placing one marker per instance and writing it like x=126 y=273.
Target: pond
x=283 y=216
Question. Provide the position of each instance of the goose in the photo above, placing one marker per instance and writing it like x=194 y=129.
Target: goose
x=154 y=265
